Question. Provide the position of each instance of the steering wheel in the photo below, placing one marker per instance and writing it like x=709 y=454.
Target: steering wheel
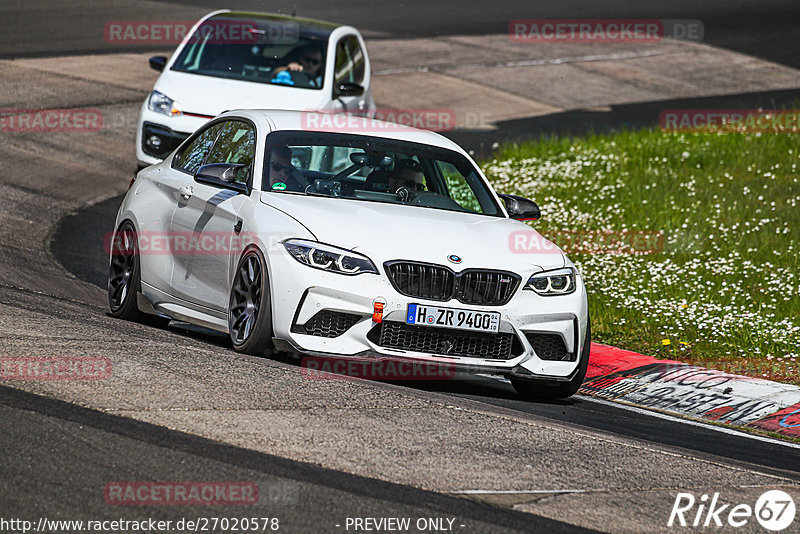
x=292 y=78
x=403 y=193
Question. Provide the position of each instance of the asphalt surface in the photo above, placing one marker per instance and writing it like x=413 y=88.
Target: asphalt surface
x=95 y=449
x=765 y=29
x=182 y=406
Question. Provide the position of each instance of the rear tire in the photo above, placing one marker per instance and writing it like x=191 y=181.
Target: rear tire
x=533 y=390
x=123 y=274
x=249 y=313
x=125 y=278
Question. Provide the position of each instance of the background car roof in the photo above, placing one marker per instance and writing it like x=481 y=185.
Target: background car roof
x=318 y=28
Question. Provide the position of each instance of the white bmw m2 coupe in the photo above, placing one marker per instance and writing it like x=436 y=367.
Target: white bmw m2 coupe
x=342 y=236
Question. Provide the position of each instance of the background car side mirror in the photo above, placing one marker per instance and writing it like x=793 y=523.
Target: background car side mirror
x=520 y=208
x=348 y=89
x=222 y=175
x=158 y=63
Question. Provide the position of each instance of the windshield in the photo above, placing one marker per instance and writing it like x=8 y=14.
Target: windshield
x=374 y=169
x=255 y=50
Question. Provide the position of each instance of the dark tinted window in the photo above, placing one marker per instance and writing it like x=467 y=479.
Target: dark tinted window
x=349 y=61
x=235 y=144
x=374 y=169
x=194 y=155
x=255 y=50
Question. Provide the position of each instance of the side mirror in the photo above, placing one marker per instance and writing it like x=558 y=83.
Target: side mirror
x=348 y=89
x=158 y=63
x=221 y=175
x=521 y=209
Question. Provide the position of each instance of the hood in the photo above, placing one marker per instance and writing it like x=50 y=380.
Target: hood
x=207 y=95
x=386 y=232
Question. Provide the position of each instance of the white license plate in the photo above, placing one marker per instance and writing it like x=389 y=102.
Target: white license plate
x=424 y=315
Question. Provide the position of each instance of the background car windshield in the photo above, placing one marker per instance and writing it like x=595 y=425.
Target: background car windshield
x=255 y=50
x=375 y=169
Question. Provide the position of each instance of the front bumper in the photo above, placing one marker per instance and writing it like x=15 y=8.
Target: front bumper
x=157 y=135
x=300 y=293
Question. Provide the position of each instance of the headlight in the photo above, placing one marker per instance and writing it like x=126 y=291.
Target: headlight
x=161 y=103
x=328 y=258
x=548 y=283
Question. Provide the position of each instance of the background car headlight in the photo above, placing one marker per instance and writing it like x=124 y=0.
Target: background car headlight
x=547 y=283
x=161 y=103
x=328 y=258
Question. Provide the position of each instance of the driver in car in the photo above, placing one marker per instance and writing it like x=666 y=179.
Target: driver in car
x=407 y=174
x=283 y=176
x=306 y=59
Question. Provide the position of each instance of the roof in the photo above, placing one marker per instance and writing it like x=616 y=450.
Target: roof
x=306 y=26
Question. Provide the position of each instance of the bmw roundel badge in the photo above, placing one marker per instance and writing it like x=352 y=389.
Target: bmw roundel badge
x=454 y=259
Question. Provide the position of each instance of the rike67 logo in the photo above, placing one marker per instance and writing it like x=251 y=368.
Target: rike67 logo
x=774 y=510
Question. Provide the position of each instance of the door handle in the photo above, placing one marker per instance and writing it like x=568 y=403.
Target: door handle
x=186 y=192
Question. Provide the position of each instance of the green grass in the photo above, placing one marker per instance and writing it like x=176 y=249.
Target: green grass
x=722 y=289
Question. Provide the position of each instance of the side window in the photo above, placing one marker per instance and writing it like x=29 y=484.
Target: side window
x=194 y=155
x=457 y=187
x=349 y=61
x=236 y=143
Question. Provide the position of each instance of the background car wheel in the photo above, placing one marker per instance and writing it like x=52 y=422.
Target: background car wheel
x=124 y=278
x=249 y=313
x=531 y=389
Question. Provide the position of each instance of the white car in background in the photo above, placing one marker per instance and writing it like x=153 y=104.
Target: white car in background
x=251 y=60
x=346 y=243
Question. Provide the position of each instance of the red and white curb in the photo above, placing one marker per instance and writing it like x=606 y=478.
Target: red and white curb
x=688 y=390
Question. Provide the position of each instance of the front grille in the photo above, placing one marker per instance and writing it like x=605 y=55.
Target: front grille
x=489 y=288
x=437 y=282
x=422 y=280
x=328 y=323
x=550 y=347
x=444 y=341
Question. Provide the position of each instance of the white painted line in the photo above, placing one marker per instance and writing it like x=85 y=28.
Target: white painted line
x=514 y=492
x=691 y=422
x=524 y=62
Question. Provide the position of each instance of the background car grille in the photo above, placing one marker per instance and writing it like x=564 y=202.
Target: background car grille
x=436 y=282
x=445 y=341
x=328 y=323
x=550 y=347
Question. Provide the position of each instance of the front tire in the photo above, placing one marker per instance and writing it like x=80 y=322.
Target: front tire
x=249 y=313
x=533 y=390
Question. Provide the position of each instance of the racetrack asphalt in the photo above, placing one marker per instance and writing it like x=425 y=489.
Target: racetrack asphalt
x=183 y=406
